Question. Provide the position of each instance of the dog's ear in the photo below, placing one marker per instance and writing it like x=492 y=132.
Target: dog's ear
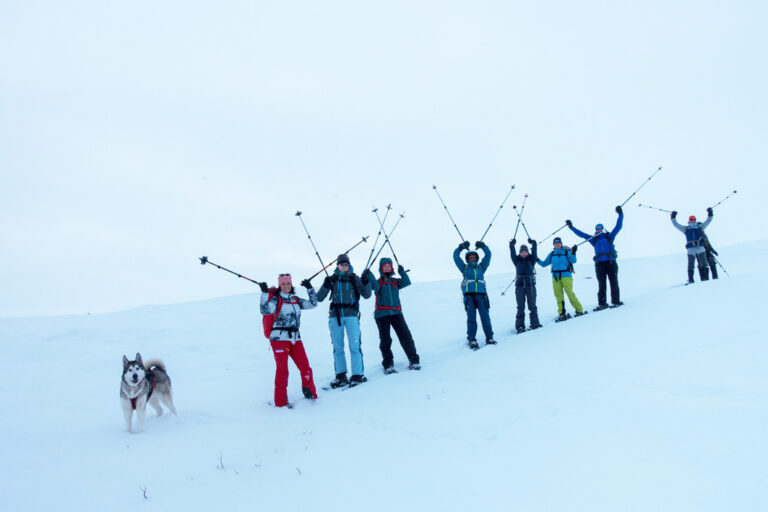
x=125 y=362
x=138 y=359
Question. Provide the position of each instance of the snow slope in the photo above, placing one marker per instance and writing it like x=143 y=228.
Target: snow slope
x=659 y=405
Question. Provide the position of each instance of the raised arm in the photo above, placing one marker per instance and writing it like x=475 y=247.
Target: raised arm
x=311 y=302
x=486 y=257
x=405 y=279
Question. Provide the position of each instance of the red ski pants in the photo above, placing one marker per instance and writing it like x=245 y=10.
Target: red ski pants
x=281 y=350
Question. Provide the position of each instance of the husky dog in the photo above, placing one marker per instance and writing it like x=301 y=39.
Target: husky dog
x=142 y=384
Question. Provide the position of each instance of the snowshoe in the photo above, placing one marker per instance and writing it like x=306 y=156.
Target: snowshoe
x=617 y=305
x=580 y=314
x=563 y=317
x=491 y=341
x=414 y=366
x=390 y=370
x=600 y=307
x=521 y=330
x=537 y=326
x=341 y=380
x=357 y=379
x=308 y=393
x=473 y=344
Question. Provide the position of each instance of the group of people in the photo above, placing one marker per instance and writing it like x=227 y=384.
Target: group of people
x=346 y=289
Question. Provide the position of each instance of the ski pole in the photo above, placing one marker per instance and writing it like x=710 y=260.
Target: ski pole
x=555 y=231
x=721 y=265
x=721 y=201
x=641 y=186
x=381 y=228
x=497 y=213
x=402 y=216
x=365 y=239
x=654 y=208
x=298 y=214
x=520 y=219
x=508 y=286
x=205 y=260
x=386 y=238
x=434 y=187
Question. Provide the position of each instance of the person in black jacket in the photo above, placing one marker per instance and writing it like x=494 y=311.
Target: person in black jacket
x=525 y=284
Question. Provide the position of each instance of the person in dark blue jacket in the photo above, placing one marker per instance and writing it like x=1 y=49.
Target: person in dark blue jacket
x=605 y=259
x=525 y=283
x=475 y=294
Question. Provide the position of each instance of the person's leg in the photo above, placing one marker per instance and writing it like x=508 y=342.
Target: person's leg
x=520 y=296
x=691 y=260
x=405 y=337
x=280 y=350
x=712 y=264
x=471 y=309
x=483 y=305
x=352 y=324
x=613 y=277
x=337 y=338
x=299 y=356
x=568 y=287
x=601 y=271
x=557 y=287
x=534 y=312
x=385 y=341
x=703 y=266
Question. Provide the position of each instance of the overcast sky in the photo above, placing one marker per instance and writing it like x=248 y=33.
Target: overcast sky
x=137 y=136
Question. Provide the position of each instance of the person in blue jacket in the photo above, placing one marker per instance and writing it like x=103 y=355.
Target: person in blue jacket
x=473 y=287
x=562 y=260
x=605 y=259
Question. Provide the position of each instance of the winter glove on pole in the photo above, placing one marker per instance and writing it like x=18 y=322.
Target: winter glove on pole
x=512 y=243
x=673 y=215
x=619 y=210
x=306 y=284
x=573 y=249
x=400 y=269
x=264 y=287
x=364 y=279
x=479 y=244
x=569 y=223
x=710 y=213
x=464 y=245
x=531 y=241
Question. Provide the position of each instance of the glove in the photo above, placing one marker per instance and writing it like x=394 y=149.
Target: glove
x=306 y=284
x=573 y=249
x=513 y=242
x=327 y=283
x=464 y=245
x=264 y=287
x=673 y=215
x=531 y=241
x=569 y=223
x=710 y=212
x=400 y=269
x=365 y=278
x=479 y=244
x=619 y=210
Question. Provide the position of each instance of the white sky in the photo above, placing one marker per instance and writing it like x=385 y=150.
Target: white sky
x=137 y=137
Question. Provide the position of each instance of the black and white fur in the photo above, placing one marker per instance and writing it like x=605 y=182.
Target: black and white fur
x=134 y=388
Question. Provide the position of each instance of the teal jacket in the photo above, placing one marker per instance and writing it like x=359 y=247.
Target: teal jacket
x=345 y=292
x=474 y=273
x=561 y=260
x=387 y=290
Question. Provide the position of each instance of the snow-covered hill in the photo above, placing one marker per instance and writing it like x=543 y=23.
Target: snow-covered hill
x=659 y=405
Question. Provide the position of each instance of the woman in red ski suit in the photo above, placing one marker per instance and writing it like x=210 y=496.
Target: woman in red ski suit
x=285 y=337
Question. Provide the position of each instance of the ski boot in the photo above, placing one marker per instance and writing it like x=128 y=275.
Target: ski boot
x=563 y=317
x=340 y=380
x=690 y=276
x=308 y=394
x=521 y=329
x=414 y=366
x=490 y=341
x=389 y=370
x=537 y=326
x=357 y=379
x=617 y=304
x=473 y=344
x=600 y=307
x=580 y=313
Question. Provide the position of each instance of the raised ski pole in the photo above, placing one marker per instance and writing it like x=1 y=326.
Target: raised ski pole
x=402 y=216
x=205 y=260
x=497 y=213
x=520 y=218
x=434 y=187
x=653 y=208
x=641 y=186
x=386 y=237
x=508 y=286
x=721 y=201
x=553 y=233
x=381 y=228
x=298 y=214
x=365 y=239
x=721 y=265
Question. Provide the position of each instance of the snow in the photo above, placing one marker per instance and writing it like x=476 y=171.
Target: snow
x=658 y=405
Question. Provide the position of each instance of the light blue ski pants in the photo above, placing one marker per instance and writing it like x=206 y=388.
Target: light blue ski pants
x=352 y=325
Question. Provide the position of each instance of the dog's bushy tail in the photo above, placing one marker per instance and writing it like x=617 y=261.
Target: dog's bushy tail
x=149 y=363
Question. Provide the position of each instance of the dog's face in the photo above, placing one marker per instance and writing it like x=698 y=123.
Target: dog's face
x=133 y=371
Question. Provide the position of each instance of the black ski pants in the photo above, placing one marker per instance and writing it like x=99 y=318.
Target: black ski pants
x=712 y=264
x=403 y=334
x=525 y=290
x=610 y=270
